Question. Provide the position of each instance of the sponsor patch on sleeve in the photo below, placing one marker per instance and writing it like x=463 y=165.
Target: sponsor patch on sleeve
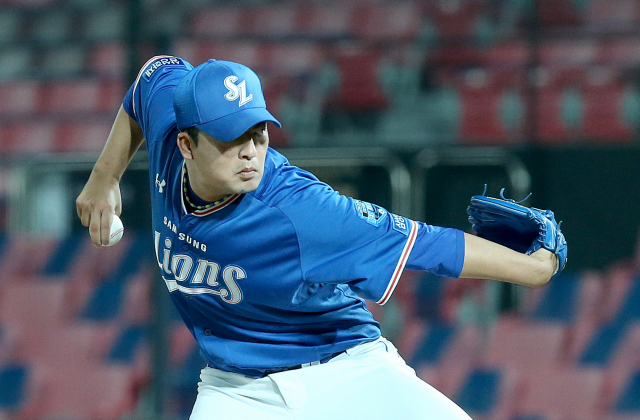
x=401 y=224
x=158 y=62
x=370 y=213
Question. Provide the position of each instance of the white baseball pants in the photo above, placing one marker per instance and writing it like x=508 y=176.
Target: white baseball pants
x=370 y=381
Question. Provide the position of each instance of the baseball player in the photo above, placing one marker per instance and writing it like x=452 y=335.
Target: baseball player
x=269 y=267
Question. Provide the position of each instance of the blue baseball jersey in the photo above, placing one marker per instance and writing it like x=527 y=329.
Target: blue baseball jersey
x=278 y=276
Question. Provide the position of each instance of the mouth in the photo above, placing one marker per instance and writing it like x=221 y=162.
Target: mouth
x=248 y=173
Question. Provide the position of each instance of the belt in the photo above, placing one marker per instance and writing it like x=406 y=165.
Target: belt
x=300 y=366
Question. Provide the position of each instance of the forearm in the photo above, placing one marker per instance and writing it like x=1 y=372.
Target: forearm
x=487 y=260
x=124 y=140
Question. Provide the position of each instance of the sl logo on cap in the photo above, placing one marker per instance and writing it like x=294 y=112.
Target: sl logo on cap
x=237 y=91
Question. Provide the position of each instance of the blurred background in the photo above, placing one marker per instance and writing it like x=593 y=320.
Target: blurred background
x=413 y=105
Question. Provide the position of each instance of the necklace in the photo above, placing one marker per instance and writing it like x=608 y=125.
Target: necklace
x=185 y=183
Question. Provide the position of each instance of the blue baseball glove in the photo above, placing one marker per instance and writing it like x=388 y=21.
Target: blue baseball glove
x=523 y=229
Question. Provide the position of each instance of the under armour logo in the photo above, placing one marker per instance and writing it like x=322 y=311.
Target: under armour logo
x=160 y=184
x=237 y=91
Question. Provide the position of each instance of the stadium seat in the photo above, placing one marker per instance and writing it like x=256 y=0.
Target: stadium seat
x=580 y=53
x=604 y=342
x=16 y=62
x=105 y=302
x=273 y=20
x=520 y=343
x=360 y=89
x=625 y=52
x=106 y=59
x=136 y=305
x=559 y=300
x=510 y=55
x=481 y=102
x=104 y=24
x=63 y=60
x=127 y=344
x=558 y=13
x=181 y=344
x=84 y=96
x=629 y=399
x=12 y=383
x=603 y=114
x=81 y=136
x=94 y=265
x=379 y=21
x=217 y=21
x=295 y=58
x=480 y=392
x=325 y=21
x=453 y=19
x=10 y=25
x=433 y=344
x=558 y=115
x=34 y=305
x=559 y=393
x=19 y=97
x=62 y=257
x=50 y=28
x=65 y=345
x=602 y=14
x=26 y=137
x=83 y=392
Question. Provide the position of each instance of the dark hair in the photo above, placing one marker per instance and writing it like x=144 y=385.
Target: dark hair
x=193 y=133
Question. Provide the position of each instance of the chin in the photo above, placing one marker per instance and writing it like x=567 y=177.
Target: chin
x=247 y=187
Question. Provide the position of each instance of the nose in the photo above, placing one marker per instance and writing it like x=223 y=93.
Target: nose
x=248 y=150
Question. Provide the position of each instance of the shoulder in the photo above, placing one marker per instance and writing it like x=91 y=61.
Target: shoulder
x=157 y=74
x=162 y=65
x=283 y=181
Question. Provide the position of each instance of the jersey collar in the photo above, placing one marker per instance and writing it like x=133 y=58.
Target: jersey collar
x=206 y=212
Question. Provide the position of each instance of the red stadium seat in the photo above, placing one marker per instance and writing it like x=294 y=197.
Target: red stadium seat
x=81 y=96
x=83 y=392
x=453 y=19
x=603 y=115
x=27 y=137
x=34 y=305
x=295 y=58
x=218 y=21
x=603 y=14
x=107 y=59
x=360 y=89
x=558 y=13
x=325 y=20
x=397 y=21
x=272 y=20
x=81 y=136
x=137 y=299
x=567 y=394
x=552 y=85
x=569 y=53
x=181 y=344
x=65 y=345
x=19 y=97
x=24 y=257
x=512 y=54
x=482 y=100
x=519 y=343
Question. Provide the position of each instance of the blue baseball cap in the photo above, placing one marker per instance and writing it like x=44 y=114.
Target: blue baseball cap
x=221 y=98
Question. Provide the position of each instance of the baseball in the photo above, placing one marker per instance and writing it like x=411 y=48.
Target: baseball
x=117 y=229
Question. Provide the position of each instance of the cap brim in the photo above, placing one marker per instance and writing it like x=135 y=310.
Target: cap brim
x=232 y=126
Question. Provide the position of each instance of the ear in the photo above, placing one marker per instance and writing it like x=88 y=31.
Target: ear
x=185 y=143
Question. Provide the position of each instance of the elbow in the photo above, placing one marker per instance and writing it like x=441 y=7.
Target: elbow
x=540 y=277
x=539 y=281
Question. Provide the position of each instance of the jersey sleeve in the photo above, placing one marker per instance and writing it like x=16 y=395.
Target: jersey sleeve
x=349 y=241
x=152 y=95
